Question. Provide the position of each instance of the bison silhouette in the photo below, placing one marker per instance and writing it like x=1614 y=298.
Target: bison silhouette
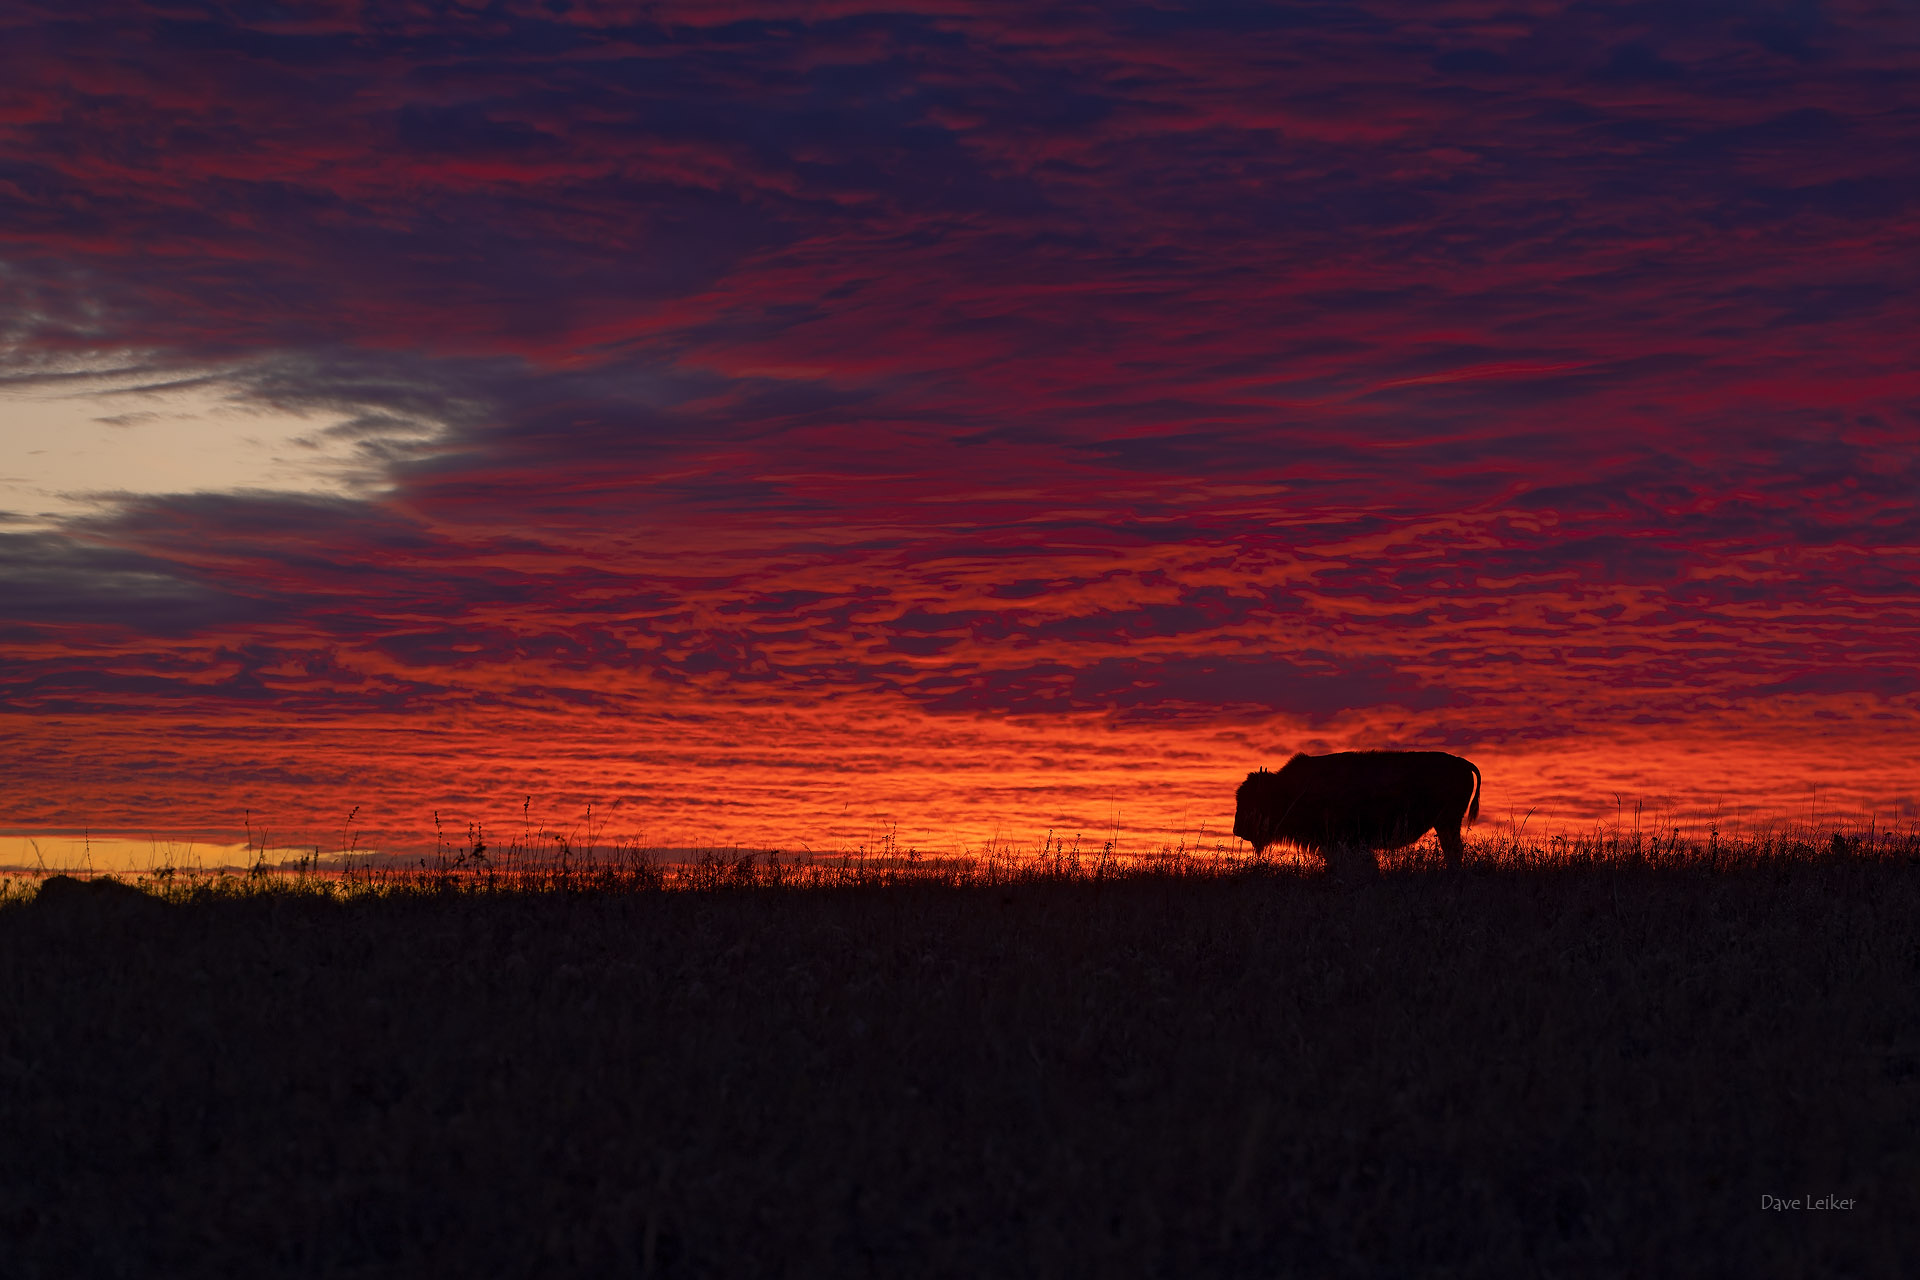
x=1345 y=806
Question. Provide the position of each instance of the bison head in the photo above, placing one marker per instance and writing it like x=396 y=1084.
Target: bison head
x=1262 y=804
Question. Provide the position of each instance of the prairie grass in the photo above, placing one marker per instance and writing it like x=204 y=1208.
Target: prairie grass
x=1593 y=1057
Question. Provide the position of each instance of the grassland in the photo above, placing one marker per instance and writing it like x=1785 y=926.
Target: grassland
x=1588 y=1060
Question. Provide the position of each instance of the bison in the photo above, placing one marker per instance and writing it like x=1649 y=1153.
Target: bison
x=1351 y=803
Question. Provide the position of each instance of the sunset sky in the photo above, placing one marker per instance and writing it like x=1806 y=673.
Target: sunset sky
x=776 y=424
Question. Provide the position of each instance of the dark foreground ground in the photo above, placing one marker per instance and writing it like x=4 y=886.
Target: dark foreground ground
x=1597 y=1071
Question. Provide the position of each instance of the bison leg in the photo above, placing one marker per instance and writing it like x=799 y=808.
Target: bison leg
x=1449 y=833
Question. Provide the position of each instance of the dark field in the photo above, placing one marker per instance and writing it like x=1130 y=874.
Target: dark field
x=1596 y=1069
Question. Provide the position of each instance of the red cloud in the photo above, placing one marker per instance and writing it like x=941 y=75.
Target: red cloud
x=979 y=416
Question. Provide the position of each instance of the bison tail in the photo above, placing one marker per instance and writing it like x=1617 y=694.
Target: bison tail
x=1473 y=809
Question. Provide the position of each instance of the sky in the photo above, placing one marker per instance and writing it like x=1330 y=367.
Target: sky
x=783 y=425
